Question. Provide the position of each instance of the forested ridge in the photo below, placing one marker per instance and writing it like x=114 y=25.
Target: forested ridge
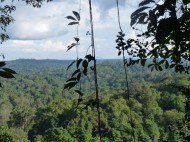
x=35 y=107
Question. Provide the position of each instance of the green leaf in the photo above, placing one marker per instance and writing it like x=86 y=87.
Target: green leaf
x=77 y=15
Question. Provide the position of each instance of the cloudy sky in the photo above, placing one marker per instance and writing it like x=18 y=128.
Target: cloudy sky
x=44 y=33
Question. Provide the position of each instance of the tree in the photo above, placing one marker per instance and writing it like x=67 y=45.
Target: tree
x=163 y=29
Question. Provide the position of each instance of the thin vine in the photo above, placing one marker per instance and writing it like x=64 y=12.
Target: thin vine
x=95 y=71
x=121 y=47
x=82 y=66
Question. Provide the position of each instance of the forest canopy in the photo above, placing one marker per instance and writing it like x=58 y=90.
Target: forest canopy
x=109 y=104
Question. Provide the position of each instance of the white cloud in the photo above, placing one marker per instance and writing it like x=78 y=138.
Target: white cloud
x=44 y=33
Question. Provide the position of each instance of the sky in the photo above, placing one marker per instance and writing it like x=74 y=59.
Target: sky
x=44 y=33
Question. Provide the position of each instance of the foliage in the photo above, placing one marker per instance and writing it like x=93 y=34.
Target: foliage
x=6 y=72
x=47 y=111
x=163 y=35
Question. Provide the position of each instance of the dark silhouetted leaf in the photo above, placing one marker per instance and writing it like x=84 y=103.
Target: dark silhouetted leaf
x=143 y=62
x=186 y=2
x=119 y=53
x=6 y=74
x=71 y=46
x=72 y=79
x=9 y=70
x=85 y=71
x=138 y=11
x=71 y=64
x=75 y=72
x=73 y=23
x=78 y=76
x=2 y=64
x=187 y=138
x=71 y=18
x=85 y=64
x=76 y=39
x=145 y=2
x=79 y=92
x=78 y=62
x=77 y=15
x=92 y=68
x=70 y=85
x=89 y=57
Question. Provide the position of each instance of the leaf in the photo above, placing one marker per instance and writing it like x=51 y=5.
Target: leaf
x=89 y=57
x=150 y=65
x=76 y=71
x=76 y=39
x=145 y=2
x=162 y=61
x=71 y=46
x=79 y=92
x=92 y=68
x=72 y=79
x=70 y=85
x=185 y=2
x=187 y=138
x=5 y=74
x=78 y=62
x=78 y=76
x=71 y=64
x=172 y=65
x=140 y=17
x=71 y=18
x=166 y=64
x=77 y=15
x=160 y=68
x=143 y=61
x=85 y=71
x=73 y=23
x=119 y=53
x=85 y=64
x=9 y=71
x=138 y=11
x=2 y=64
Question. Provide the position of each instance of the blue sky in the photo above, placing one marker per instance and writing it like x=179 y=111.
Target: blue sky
x=44 y=33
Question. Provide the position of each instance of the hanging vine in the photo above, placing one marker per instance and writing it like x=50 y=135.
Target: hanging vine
x=121 y=46
x=83 y=65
